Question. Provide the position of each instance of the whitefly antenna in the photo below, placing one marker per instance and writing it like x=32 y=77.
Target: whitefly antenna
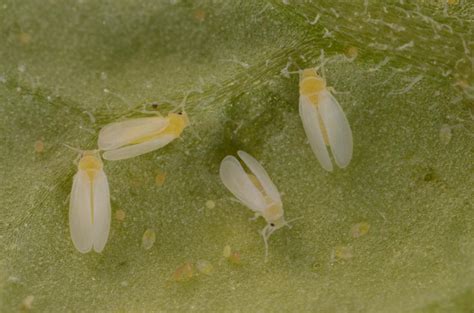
x=77 y=149
x=73 y=148
x=181 y=109
x=118 y=96
x=287 y=223
x=267 y=231
x=182 y=104
x=285 y=72
x=320 y=67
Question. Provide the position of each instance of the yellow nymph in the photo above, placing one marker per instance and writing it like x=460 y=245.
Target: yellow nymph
x=324 y=121
x=133 y=137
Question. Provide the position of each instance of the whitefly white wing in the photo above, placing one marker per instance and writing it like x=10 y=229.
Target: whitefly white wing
x=238 y=182
x=138 y=149
x=118 y=134
x=257 y=169
x=101 y=211
x=338 y=129
x=310 y=118
x=80 y=212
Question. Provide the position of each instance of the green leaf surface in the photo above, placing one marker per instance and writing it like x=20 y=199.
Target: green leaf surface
x=403 y=73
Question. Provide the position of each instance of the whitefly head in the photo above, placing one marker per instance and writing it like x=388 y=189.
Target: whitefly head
x=310 y=82
x=271 y=227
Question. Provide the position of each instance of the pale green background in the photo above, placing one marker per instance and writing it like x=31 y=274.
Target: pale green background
x=61 y=61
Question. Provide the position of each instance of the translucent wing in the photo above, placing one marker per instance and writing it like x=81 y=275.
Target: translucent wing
x=118 y=134
x=338 y=129
x=101 y=202
x=237 y=181
x=80 y=212
x=310 y=117
x=262 y=175
x=138 y=149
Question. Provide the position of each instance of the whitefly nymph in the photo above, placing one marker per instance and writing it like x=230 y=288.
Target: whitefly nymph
x=254 y=189
x=324 y=121
x=89 y=207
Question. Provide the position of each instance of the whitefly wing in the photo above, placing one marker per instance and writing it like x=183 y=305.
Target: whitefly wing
x=337 y=127
x=310 y=118
x=122 y=133
x=238 y=182
x=101 y=211
x=257 y=169
x=80 y=212
x=138 y=149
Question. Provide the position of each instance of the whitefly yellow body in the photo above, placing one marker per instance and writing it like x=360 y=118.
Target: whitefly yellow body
x=324 y=121
x=89 y=207
x=133 y=137
x=255 y=190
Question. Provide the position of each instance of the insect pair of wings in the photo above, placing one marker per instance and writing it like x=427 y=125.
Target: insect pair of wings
x=236 y=179
x=130 y=138
x=325 y=125
x=89 y=206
